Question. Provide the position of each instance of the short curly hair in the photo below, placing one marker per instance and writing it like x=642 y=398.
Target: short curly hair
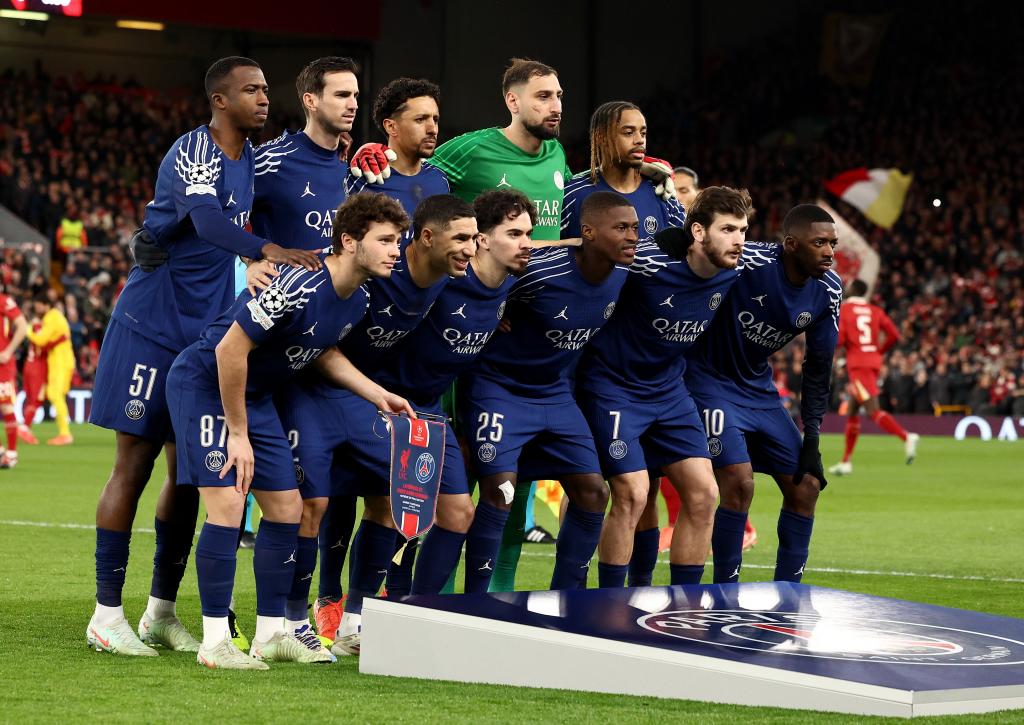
x=391 y=99
x=497 y=206
x=358 y=212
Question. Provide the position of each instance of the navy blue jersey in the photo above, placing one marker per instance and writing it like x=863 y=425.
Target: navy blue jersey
x=761 y=313
x=408 y=191
x=663 y=309
x=292 y=322
x=299 y=187
x=173 y=304
x=448 y=341
x=553 y=313
x=653 y=212
x=399 y=305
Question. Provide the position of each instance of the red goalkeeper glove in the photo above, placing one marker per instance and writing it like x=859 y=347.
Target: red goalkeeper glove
x=372 y=161
x=659 y=172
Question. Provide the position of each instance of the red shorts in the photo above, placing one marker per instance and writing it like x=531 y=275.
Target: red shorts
x=863 y=383
x=33 y=378
x=8 y=382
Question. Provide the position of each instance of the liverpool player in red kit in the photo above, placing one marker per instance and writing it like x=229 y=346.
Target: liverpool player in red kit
x=867 y=333
x=12 y=333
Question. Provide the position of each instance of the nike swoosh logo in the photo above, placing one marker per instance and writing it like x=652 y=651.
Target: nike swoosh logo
x=104 y=642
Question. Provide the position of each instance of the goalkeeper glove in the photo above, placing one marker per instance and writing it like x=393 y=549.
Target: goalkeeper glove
x=147 y=253
x=810 y=462
x=659 y=172
x=371 y=161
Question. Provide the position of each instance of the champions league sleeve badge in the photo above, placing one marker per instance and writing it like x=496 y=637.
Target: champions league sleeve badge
x=417 y=458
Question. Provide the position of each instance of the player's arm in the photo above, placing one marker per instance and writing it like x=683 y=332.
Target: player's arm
x=47 y=332
x=20 y=328
x=821 y=346
x=339 y=370
x=220 y=231
x=232 y=371
x=892 y=333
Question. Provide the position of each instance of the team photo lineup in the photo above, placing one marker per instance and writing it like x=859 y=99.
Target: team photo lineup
x=470 y=302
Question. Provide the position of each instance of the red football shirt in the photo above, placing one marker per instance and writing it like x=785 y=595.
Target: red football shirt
x=9 y=312
x=860 y=323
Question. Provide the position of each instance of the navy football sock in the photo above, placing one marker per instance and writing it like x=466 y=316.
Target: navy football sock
x=440 y=555
x=794 y=544
x=611 y=576
x=482 y=544
x=111 y=565
x=399 y=581
x=297 y=605
x=335 y=535
x=372 y=549
x=273 y=563
x=686 y=573
x=577 y=541
x=170 y=559
x=215 y=567
x=727 y=543
x=645 y=557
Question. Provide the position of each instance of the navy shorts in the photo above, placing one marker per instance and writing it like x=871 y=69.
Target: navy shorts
x=342 y=447
x=643 y=435
x=198 y=418
x=507 y=433
x=767 y=438
x=129 y=394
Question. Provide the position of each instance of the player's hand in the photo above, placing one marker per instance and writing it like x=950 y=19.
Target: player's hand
x=659 y=172
x=147 y=253
x=810 y=462
x=240 y=458
x=391 y=403
x=259 y=275
x=294 y=257
x=504 y=325
x=344 y=145
x=372 y=160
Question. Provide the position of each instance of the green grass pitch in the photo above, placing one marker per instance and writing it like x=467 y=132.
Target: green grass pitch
x=948 y=530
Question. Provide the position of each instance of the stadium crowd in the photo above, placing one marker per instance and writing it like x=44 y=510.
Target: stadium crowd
x=951 y=271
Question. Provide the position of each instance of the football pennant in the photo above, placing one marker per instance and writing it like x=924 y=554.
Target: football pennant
x=417 y=458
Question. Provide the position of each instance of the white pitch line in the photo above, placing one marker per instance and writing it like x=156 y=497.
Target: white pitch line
x=823 y=569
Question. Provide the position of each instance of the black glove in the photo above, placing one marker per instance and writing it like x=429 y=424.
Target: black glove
x=810 y=462
x=148 y=254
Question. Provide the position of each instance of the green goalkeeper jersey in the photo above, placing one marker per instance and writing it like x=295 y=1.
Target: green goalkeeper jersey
x=480 y=160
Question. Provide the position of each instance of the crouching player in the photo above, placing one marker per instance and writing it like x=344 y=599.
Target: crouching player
x=220 y=394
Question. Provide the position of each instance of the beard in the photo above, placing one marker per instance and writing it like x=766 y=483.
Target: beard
x=716 y=257
x=542 y=132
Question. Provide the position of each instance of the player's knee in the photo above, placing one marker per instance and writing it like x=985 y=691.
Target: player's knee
x=456 y=514
x=498 y=495
x=701 y=502
x=803 y=497
x=736 y=492
x=590 y=493
x=313 y=510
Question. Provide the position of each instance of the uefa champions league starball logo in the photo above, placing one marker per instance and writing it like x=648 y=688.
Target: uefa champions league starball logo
x=425 y=467
x=135 y=409
x=215 y=460
x=715 y=301
x=486 y=452
x=795 y=634
x=200 y=174
x=272 y=300
x=804 y=319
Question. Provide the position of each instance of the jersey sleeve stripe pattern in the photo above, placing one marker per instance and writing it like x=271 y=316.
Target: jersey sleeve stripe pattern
x=270 y=155
x=834 y=285
x=460 y=150
x=571 y=190
x=197 y=164
x=757 y=254
x=675 y=215
x=549 y=264
x=649 y=259
x=290 y=292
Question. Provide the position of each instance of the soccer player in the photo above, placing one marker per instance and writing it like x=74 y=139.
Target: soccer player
x=33 y=378
x=220 y=391
x=55 y=336
x=687 y=185
x=334 y=431
x=518 y=401
x=448 y=341
x=867 y=333
x=629 y=382
x=784 y=290
x=13 y=328
x=183 y=279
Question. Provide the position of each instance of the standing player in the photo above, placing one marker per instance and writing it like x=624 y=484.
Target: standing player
x=784 y=290
x=867 y=333
x=220 y=391
x=33 y=378
x=55 y=337
x=12 y=333
x=687 y=185
x=629 y=382
x=333 y=430
x=450 y=339
x=202 y=202
x=518 y=401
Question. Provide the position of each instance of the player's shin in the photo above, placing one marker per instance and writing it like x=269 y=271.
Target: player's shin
x=297 y=604
x=504 y=577
x=372 y=549
x=794 y=545
x=399 y=581
x=111 y=567
x=577 y=542
x=438 y=558
x=852 y=433
x=482 y=546
x=215 y=568
x=335 y=535
x=727 y=543
x=273 y=563
x=645 y=557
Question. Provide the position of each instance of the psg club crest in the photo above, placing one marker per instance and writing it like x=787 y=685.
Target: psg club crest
x=215 y=460
x=486 y=452
x=135 y=409
x=618 y=449
x=417 y=455
x=714 y=447
x=715 y=301
x=804 y=319
x=806 y=634
x=650 y=225
x=609 y=309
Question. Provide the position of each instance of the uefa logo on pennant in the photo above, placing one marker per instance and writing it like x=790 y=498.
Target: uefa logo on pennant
x=425 y=467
